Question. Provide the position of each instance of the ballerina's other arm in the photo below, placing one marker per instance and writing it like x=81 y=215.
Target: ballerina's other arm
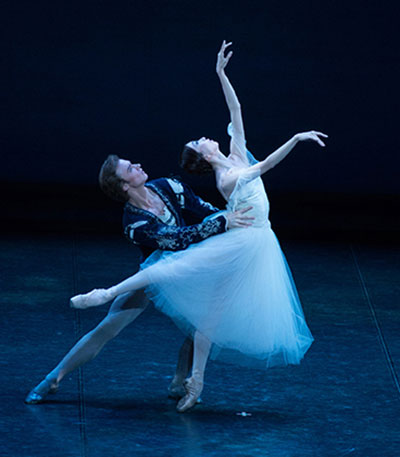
x=238 y=142
x=277 y=156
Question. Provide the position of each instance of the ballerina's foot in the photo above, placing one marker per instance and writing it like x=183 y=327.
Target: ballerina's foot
x=96 y=297
x=39 y=393
x=193 y=389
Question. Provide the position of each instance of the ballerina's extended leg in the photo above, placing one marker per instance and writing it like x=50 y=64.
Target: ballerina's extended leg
x=99 y=297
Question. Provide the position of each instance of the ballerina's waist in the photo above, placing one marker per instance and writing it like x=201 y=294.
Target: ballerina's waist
x=259 y=221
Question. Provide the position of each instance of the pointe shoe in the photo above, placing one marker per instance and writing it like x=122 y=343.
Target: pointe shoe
x=39 y=393
x=96 y=297
x=193 y=389
x=176 y=390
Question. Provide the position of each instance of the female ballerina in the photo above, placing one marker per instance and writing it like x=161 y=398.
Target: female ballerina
x=234 y=292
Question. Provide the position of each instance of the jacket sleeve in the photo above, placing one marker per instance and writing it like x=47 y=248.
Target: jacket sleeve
x=173 y=238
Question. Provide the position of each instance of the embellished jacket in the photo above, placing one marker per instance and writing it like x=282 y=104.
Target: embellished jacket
x=149 y=232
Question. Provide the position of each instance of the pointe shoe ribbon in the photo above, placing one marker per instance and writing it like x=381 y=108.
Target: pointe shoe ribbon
x=96 y=297
x=193 y=391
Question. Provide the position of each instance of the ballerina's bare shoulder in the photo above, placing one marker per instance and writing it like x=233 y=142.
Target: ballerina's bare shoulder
x=227 y=181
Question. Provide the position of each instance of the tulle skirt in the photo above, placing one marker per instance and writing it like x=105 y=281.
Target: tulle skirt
x=237 y=290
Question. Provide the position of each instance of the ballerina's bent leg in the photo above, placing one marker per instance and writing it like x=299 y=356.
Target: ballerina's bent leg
x=194 y=385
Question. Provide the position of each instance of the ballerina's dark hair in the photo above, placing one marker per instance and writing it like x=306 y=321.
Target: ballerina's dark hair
x=192 y=162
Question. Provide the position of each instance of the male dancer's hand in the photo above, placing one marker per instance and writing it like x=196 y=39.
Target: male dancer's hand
x=237 y=219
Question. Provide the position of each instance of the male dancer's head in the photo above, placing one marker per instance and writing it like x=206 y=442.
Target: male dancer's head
x=120 y=179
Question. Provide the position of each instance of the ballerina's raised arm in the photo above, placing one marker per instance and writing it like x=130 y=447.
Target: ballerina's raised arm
x=238 y=142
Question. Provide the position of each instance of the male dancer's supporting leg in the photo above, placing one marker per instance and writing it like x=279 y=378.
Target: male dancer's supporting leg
x=176 y=388
x=124 y=310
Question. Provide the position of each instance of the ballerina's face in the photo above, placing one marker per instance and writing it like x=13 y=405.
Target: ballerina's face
x=205 y=147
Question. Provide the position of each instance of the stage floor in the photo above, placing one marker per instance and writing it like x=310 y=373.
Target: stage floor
x=343 y=400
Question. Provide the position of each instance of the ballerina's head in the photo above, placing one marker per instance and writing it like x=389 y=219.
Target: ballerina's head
x=198 y=156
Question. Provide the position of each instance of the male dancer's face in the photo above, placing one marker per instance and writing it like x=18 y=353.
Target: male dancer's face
x=132 y=173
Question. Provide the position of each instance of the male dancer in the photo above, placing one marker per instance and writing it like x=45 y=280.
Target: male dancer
x=153 y=219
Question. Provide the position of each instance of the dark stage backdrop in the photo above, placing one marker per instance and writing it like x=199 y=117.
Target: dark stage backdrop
x=81 y=80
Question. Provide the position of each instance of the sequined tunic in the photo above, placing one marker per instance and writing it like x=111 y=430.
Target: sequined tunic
x=170 y=232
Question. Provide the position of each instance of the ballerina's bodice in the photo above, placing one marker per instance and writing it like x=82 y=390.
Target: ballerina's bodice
x=250 y=192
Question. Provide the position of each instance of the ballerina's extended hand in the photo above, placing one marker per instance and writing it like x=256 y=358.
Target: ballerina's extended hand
x=96 y=297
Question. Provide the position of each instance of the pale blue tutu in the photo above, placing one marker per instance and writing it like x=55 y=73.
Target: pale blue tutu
x=235 y=288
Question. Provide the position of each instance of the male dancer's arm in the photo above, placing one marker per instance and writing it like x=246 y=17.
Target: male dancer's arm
x=172 y=238
x=148 y=232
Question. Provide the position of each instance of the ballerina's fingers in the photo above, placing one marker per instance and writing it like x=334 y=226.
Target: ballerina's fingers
x=226 y=59
x=320 y=134
x=222 y=60
x=225 y=45
x=221 y=53
x=316 y=137
x=317 y=140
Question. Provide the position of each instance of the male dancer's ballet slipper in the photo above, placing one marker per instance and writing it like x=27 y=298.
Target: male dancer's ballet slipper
x=176 y=390
x=96 y=297
x=39 y=393
x=193 y=391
